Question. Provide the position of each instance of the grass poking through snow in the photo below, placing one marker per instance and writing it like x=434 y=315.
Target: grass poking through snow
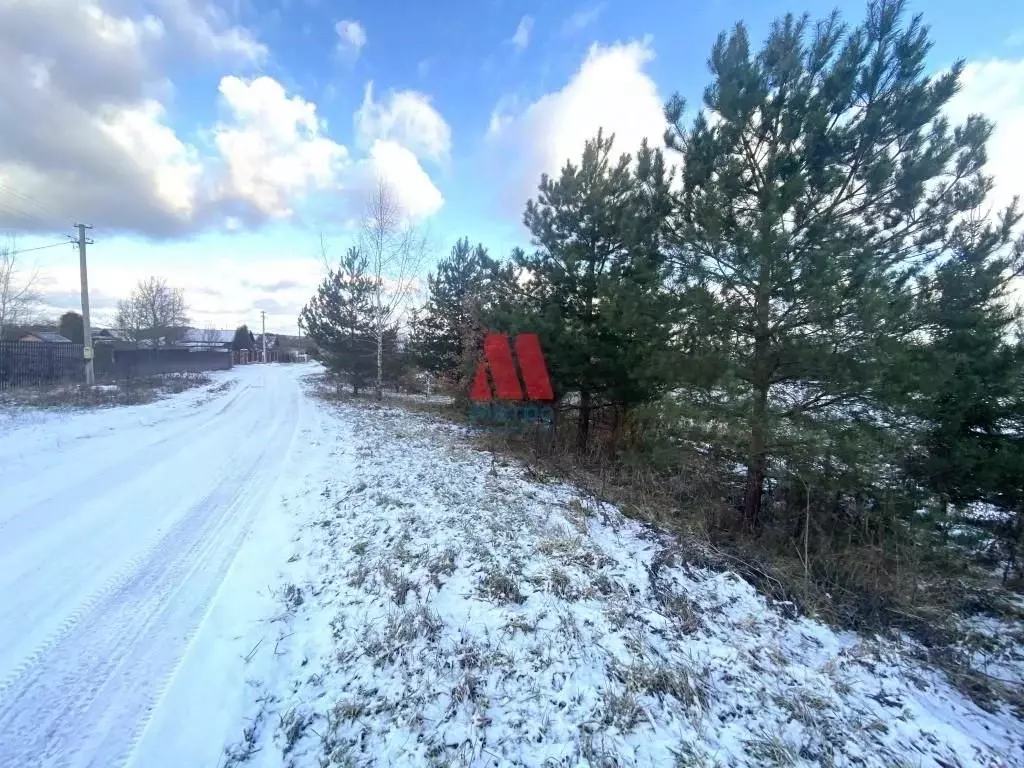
x=455 y=613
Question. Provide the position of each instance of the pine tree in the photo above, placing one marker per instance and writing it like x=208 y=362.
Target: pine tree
x=451 y=322
x=594 y=286
x=968 y=373
x=339 y=319
x=71 y=327
x=243 y=339
x=817 y=181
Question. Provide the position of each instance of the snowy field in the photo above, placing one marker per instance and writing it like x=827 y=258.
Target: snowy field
x=244 y=576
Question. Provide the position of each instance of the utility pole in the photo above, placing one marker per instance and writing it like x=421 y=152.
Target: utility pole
x=263 y=317
x=90 y=376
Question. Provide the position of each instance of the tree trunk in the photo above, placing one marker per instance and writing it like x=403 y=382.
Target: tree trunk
x=583 y=424
x=1014 y=543
x=618 y=424
x=757 y=461
x=379 y=393
x=760 y=381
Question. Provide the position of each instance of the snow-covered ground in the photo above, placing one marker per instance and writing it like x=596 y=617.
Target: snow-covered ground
x=119 y=532
x=443 y=609
x=245 y=576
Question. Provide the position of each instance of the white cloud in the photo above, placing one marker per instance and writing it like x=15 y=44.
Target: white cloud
x=351 y=37
x=503 y=114
x=205 y=29
x=611 y=90
x=215 y=295
x=521 y=38
x=583 y=18
x=497 y=122
x=171 y=167
x=405 y=117
x=399 y=168
x=81 y=131
x=995 y=88
x=84 y=132
x=273 y=147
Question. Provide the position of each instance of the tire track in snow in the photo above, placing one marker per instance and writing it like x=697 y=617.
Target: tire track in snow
x=114 y=458
x=177 y=409
x=65 y=578
x=186 y=527
x=87 y=691
x=37 y=514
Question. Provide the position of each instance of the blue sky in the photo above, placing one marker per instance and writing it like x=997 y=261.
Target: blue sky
x=190 y=171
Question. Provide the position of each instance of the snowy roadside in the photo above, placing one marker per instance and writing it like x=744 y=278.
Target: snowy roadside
x=45 y=407
x=443 y=609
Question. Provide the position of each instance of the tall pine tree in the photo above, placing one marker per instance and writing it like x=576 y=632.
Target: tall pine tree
x=817 y=180
x=446 y=333
x=71 y=326
x=594 y=286
x=243 y=339
x=339 y=319
x=967 y=374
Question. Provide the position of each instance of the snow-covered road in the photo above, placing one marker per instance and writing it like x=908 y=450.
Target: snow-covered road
x=118 y=529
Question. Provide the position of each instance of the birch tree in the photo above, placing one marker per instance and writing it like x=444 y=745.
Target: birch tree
x=394 y=246
x=19 y=299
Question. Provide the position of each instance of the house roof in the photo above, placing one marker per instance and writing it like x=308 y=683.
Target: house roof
x=50 y=337
x=207 y=336
x=109 y=333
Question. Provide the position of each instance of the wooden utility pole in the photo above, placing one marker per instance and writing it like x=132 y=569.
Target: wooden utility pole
x=90 y=376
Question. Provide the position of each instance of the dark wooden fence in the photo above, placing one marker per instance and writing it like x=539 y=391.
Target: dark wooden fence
x=138 y=363
x=33 y=364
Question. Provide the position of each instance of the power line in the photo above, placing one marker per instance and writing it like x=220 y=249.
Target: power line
x=10 y=210
x=39 y=206
x=39 y=248
x=32 y=213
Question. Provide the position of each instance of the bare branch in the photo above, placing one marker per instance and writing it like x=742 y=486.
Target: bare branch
x=19 y=299
x=395 y=246
x=155 y=312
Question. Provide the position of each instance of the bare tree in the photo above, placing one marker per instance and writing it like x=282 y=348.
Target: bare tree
x=395 y=247
x=19 y=299
x=154 y=311
x=210 y=336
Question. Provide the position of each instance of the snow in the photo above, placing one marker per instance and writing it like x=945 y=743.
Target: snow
x=118 y=532
x=243 y=575
x=207 y=336
x=995 y=646
x=443 y=608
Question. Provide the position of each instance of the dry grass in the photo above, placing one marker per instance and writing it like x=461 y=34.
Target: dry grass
x=240 y=752
x=500 y=587
x=107 y=394
x=887 y=582
x=550 y=545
